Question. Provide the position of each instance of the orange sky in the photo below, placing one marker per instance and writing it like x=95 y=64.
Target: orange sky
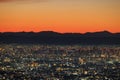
x=60 y=15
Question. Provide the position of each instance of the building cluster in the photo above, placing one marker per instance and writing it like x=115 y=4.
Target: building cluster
x=59 y=62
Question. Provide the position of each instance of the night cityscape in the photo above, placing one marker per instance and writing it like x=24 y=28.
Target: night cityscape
x=59 y=62
x=59 y=39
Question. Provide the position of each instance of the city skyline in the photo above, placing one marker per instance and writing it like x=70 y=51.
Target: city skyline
x=78 y=16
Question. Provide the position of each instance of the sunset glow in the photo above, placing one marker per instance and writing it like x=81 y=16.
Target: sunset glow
x=60 y=15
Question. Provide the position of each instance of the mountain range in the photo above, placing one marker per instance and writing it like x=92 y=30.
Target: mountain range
x=51 y=37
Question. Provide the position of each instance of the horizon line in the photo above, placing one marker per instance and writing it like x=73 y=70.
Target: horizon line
x=58 y=32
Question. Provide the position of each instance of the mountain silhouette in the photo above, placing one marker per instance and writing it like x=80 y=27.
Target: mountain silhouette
x=51 y=37
x=99 y=34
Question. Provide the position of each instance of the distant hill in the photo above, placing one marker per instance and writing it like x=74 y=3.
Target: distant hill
x=50 y=37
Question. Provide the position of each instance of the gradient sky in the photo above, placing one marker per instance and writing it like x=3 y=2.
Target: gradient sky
x=60 y=15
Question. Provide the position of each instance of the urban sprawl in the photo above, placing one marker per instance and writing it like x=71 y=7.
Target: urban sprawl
x=59 y=62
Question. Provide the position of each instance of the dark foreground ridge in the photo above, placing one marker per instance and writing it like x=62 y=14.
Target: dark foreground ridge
x=50 y=37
